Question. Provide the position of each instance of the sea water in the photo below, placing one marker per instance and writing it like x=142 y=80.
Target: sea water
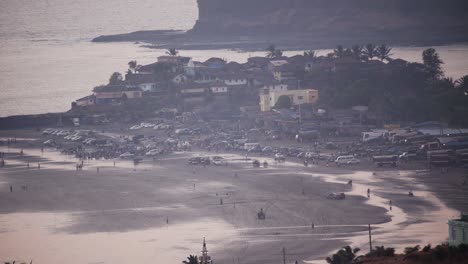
x=48 y=61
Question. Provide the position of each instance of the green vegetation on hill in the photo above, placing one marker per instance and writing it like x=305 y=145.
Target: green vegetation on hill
x=397 y=91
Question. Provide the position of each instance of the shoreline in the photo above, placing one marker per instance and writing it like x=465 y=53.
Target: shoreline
x=259 y=185
x=188 y=40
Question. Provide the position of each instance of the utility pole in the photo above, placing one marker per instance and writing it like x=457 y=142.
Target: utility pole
x=300 y=115
x=284 y=255
x=370 y=239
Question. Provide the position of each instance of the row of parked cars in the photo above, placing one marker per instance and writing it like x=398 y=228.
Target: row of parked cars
x=215 y=160
x=70 y=135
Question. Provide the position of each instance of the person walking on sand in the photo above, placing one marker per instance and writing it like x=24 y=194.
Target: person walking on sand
x=368 y=193
x=11 y=188
x=390 y=202
x=167 y=220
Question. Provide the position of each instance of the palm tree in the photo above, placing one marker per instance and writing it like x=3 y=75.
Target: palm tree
x=278 y=54
x=192 y=259
x=339 y=52
x=312 y=54
x=383 y=52
x=172 y=52
x=370 y=51
x=357 y=52
x=133 y=66
x=271 y=51
x=433 y=63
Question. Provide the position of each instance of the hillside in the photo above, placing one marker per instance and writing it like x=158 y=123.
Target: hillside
x=322 y=23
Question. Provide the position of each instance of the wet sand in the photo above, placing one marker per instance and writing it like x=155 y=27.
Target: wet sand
x=163 y=210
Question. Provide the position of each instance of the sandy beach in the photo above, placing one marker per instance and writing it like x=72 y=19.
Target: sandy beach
x=162 y=210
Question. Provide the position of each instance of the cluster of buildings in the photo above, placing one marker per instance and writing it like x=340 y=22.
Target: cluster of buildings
x=260 y=81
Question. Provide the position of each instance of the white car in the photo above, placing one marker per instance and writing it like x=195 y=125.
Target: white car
x=69 y=137
x=279 y=157
x=75 y=138
x=219 y=162
x=63 y=133
x=347 y=160
x=48 y=142
x=47 y=131
x=150 y=145
x=127 y=155
x=89 y=141
x=147 y=125
x=153 y=152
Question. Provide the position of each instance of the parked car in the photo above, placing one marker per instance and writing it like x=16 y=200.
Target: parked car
x=389 y=160
x=219 y=162
x=47 y=131
x=336 y=196
x=127 y=155
x=408 y=155
x=256 y=163
x=279 y=157
x=153 y=152
x=346 y=160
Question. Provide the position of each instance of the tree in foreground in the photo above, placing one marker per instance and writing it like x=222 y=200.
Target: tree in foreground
x=433 y=63
x=192 y=259
x=346 y=255
x=172 y=52
x=284 y=102
x=383 y=52
x=370 y=51
x=462 y=84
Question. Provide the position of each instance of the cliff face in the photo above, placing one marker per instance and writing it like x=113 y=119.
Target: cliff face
x=303 y=24
x=332 y=18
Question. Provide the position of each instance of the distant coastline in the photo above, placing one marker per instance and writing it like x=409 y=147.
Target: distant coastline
x=186 y=40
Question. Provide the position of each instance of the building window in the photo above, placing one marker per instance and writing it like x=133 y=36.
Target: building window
x=454 y=233
x=300 y=97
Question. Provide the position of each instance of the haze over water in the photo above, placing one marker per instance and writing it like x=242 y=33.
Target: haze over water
x=48 y=60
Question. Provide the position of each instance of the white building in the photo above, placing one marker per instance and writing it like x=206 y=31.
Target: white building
x=269 y=99
x=147 y=87
x=219 y=89
x=274 y=87
x=236 y=81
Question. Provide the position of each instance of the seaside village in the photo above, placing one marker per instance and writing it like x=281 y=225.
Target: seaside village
x=215 y=80
x=262 y=110
x=266 y=98
x=262 y=107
